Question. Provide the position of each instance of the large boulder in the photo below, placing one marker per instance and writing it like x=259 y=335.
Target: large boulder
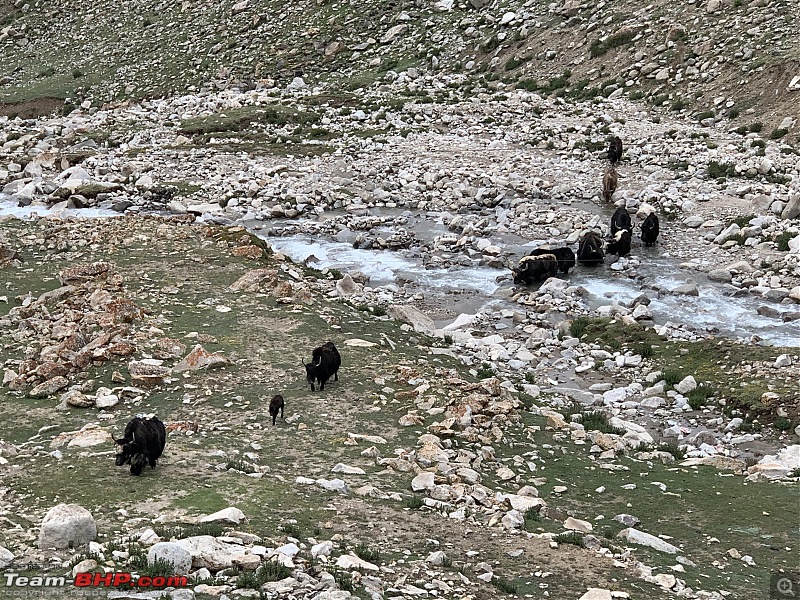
x=210 y=552
x=177 y=556
x=67 y=525
x=408 y=314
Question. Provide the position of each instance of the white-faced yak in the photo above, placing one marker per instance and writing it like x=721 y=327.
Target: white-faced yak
x=621 y=244
x=565 y=257
x=535 y=268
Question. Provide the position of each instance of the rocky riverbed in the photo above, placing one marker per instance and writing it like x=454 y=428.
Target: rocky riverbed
x=481 y=432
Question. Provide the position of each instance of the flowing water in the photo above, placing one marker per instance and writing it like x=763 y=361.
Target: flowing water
x=713 y=310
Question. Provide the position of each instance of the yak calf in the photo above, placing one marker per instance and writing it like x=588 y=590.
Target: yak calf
x=275 y=405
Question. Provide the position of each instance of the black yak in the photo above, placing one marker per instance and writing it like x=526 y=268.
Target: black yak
x=650 y=229
x=325 y=361
x=142 y=443
x=610 y=181
x=615 y=149
x=535 y=268
x=621 y=244
x=275 y=405
x=620 y=220
x=565 y=257
x=590 y=249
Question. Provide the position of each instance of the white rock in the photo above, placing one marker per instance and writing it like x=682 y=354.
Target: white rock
x=351 y=561
x=226 y=515
x=333 y=485
x=6 y=557
x=172 y=553
x=686 y=385
x=347 y=470
x=597 y=594
x=423 y=481
x=322 y=549
x=513 y=519
x=635 y=536
x=578 y=525
x=65 y=525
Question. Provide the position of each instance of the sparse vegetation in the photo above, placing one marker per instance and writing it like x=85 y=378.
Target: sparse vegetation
x=622 y=38
x=504 y=585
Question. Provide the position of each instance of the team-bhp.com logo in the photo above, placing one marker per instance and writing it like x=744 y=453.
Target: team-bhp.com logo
x=96 y=580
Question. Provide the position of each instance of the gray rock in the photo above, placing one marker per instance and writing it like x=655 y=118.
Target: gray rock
x=408 y=314
x=686 y=385
x=627 y=520
x=720 y=275
x=634 y=536
x=6 y=556
x=727 y=233
x=65 y=525
x=792 y=208
x=172 y=553
x=346 y=287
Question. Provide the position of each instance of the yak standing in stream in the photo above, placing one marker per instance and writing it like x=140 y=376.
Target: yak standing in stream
x=620 y=220
x=650 y=229
x=610 y=181
x=590 y=249
x=143 y=443
x=565 y=257
x=535 y=268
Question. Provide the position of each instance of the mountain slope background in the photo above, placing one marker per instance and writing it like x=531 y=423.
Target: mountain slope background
x=719 y=59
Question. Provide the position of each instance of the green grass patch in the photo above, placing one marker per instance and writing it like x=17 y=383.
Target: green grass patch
x=718 y=170
x=504 y=585
x=599 y=47
x=782 y=240
x=699 y=396
x=570 y=537
x=239 y=119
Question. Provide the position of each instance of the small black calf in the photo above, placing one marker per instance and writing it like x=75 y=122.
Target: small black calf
x=275 y=405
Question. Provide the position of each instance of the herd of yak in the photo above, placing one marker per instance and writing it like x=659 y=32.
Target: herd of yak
x=542 y=263
x=145 y=437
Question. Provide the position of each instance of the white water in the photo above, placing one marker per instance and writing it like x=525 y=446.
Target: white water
x=10 y=209
x=712 y=310
x=384 y=267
